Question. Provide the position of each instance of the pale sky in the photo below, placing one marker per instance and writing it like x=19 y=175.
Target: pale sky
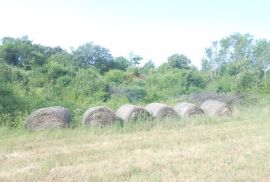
x=154 y=29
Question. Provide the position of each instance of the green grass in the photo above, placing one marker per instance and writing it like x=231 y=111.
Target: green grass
x=201 y=149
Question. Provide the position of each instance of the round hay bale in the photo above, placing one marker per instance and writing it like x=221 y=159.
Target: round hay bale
x=158 y=110
x=185 y=109
x=131 y=113
x=48 y=118
x=99 y=115
x=216 y=108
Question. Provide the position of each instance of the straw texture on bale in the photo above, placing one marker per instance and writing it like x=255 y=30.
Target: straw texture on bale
x=216 y=108
x=99 y=115
x=185 y=109
x=159 y=110
x=131 y=113
x=48 y=118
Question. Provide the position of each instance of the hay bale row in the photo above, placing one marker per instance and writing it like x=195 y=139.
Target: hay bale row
x=59 y=117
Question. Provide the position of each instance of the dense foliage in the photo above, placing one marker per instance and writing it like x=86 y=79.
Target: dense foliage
x=34 y=76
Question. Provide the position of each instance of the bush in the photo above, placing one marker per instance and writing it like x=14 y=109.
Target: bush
x=5 y=72
x=246 y=81
x=222 y=85
x=89 y=86
x=136 y=94
x=11 y=106
x=64 y=81
x=56 y=70
x=115 y=76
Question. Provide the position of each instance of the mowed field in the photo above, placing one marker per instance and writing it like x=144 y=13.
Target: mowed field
x=201 y=149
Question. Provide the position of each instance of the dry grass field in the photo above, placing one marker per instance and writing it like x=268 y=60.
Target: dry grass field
x=202 y=149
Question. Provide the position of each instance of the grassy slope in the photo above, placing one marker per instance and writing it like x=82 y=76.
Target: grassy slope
x=233 y=149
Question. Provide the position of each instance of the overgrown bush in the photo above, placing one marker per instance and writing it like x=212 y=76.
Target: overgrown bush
x=115 y=76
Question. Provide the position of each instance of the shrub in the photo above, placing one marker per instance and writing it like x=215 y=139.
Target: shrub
x=5 y=72
x=56 y=70
x=136 y=94
x=115 y=76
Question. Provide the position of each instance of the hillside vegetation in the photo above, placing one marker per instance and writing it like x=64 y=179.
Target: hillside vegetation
x=34 y=76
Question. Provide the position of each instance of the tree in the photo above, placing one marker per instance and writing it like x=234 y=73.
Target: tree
x=148 y=66
x=121 y=63
x=240 y=56
x=262 y=56
x=235 y=48
x=135 y=59
x=21 y=52
x=93 y=55
x=179 y=61
x=15 y=51
x=205 y=65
